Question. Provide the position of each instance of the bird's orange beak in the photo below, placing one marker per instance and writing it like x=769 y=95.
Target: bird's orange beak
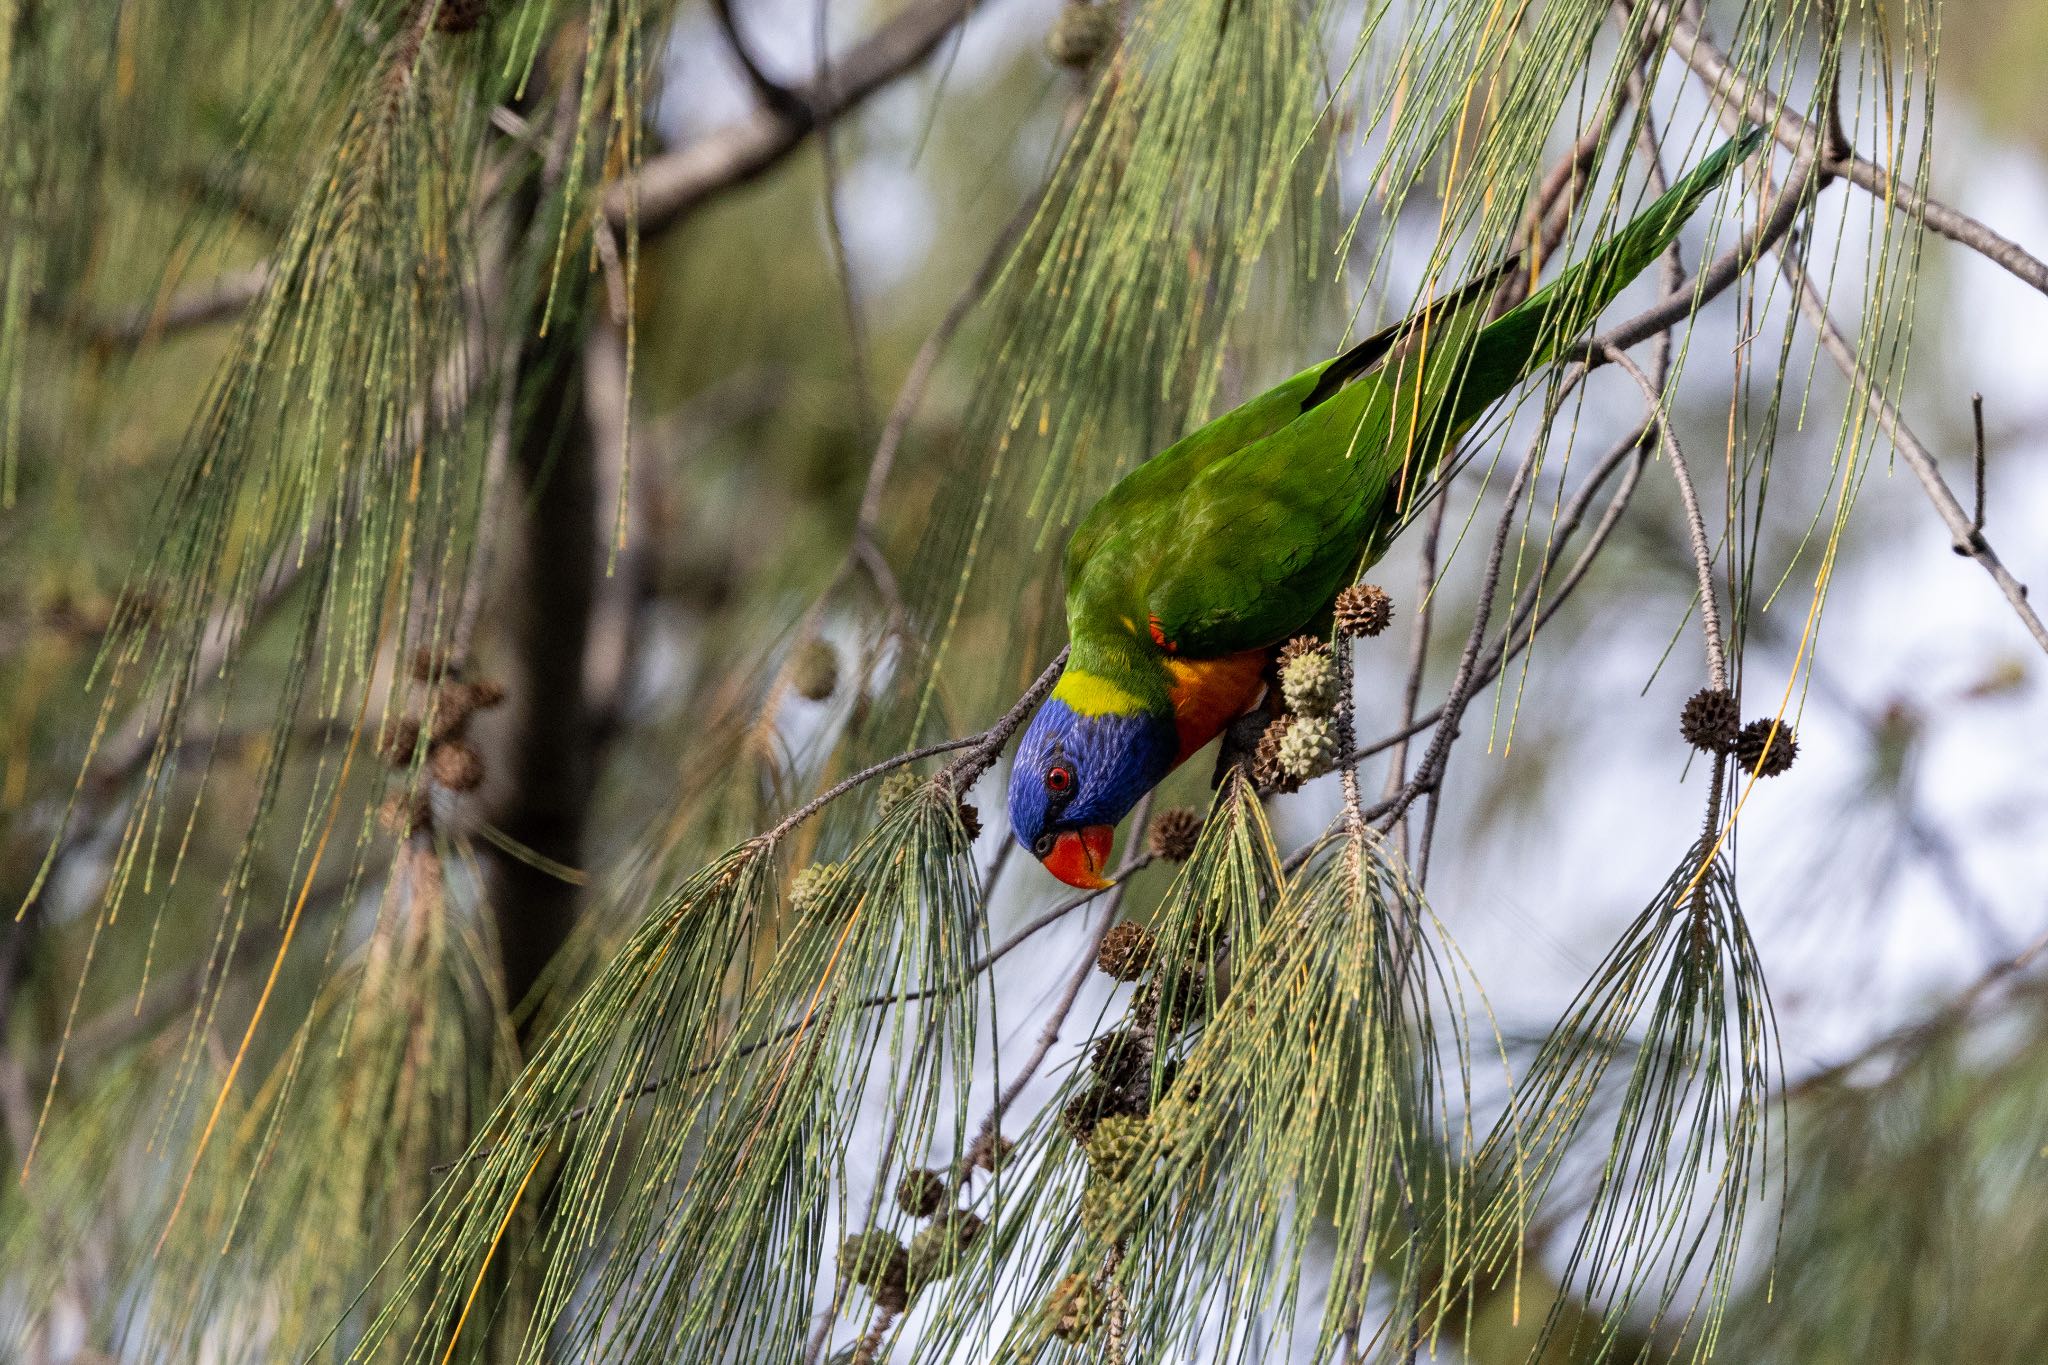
x=1079 y=858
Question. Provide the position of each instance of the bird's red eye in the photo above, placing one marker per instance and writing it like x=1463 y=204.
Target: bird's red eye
x=1058 y=779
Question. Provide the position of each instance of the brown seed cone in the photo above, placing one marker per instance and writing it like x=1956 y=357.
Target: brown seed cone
x=987 y=1152
x=1080 y=1115
x=428 y=664
x=455 y=703
x=1186 y=997
x=1077 y=1308
x=1709 y=720
x=936 y=1252
x=401 y=741
x=1126 y=951
x=1364 y=609
x=455 y=765
x=1173 y=834
x=1749 y=747
x=1121 y=1058
x=814 y=671
x=486 y=693
x=459 y=16
x=872 y=1258
x=920 y=1193
x=403 y=815
x=1295 y=648
x=894 y=1295
x=970 y=820
x=1081 y=34
x=1267 y=773
x=963 y=1226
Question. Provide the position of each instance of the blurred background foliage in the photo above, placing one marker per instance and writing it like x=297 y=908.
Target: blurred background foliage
x=248 y=1038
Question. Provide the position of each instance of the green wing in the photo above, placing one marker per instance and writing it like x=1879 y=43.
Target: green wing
x=1167 y=475
x=1264 y=537
x=1239 y=535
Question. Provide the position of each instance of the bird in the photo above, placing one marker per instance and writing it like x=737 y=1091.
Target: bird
x=1187 y=576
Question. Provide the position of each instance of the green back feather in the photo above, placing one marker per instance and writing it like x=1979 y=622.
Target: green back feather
x=1238 y=535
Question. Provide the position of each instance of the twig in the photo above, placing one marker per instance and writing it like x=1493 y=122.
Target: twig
x=1695 y=524
x=1969 y=539
x=864 y=1352
x=918 y=378
x=992 y=1124
x=963 y=771
x=867 y=774
x=1716 y=278
x=1418 y=659
x=1532 y=613
x=1954 y=1011
x=1430 y=771
x=1053 y=916
x=863 y=550
x=670 y=186
x=842 y=266
x=1761 y=105
x=1536 y=612
x=1977 y=429
x=959 y=776
x=984 y=747
x=1703 y=567
x=1347 y=732
x=777 y=96
x=218 y=301
x=787 y=1031
x=1054 y=1022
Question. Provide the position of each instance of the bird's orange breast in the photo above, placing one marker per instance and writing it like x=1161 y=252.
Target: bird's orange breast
x=1208 y=694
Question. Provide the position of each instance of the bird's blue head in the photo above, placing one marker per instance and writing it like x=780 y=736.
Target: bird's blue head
x=1087 y=757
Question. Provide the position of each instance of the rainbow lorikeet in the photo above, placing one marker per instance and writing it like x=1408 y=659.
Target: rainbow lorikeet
x=1187 y=576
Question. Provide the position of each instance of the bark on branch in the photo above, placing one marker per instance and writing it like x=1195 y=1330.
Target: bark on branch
x=669 y=186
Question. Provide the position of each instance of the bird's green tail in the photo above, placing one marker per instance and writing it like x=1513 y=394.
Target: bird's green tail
x=1540 y=329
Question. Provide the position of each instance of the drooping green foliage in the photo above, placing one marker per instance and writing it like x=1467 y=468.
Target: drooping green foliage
x=262 y=1243
x=1679 y=1006
x=677 y=1172
x=1041 y=1204
x=398 y=1061
x=1310 y=1125
x=335 y=472
x=1907 y=1201
x=674 y=1133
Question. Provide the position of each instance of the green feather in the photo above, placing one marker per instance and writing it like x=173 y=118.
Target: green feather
x=1240 y=534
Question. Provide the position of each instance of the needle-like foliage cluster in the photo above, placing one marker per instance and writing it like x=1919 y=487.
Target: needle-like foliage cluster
x=776 y=1109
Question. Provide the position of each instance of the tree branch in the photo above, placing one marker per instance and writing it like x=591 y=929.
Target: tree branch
x=1764 y=106
x=668 y=187
x=1968 y=539
x=218 y=301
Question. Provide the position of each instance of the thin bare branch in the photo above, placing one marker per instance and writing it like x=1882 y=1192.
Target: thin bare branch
x=1967 y=538
x=669 y=186
x=1766 y=107
x=218 y=301
x=1695 y=524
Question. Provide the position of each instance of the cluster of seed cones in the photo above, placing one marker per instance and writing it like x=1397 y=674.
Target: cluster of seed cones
x=892 y=1271
x=1300 y=743
x=1711 y=722
x=1110 y=1117
x=450 y=762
